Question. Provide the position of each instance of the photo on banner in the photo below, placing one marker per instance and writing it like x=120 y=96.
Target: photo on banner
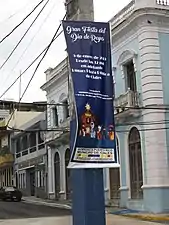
x=89 y=51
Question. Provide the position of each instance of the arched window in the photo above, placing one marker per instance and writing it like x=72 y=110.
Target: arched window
x=114 y=176
x=135 y=162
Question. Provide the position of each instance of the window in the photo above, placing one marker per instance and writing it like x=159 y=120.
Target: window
x=65 y=109
x=135 y=161
x=55 y=116
x=130 y=76
x=114 y=178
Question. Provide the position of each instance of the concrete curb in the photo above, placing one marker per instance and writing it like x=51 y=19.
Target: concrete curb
x=150 y=218
x=51 y=204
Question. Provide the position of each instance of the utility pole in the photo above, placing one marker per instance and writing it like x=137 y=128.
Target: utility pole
x=87 y=184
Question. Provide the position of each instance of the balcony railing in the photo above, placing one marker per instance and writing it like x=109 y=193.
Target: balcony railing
x=162 y=2
x=135 y=5
x=125 y=12
x=126 y=101
x=30 y=150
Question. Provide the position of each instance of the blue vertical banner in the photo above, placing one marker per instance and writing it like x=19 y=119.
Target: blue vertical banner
x=89 y=51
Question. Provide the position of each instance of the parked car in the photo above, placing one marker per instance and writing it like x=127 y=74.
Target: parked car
x=10 y=193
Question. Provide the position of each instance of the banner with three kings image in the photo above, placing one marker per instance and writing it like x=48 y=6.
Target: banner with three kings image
x=89 y=51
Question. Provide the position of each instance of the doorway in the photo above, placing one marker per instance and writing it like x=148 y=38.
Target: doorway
x=32 y=182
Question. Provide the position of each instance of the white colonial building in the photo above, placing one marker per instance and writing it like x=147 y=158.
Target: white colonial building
x=57 y=142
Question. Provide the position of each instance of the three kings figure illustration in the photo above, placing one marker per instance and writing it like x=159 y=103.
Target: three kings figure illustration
x=88 y=122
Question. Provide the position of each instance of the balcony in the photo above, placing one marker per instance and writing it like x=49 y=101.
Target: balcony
x=126 y=105
x=30 y=153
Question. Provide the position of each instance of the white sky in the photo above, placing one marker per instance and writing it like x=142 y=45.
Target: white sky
x=36 y=40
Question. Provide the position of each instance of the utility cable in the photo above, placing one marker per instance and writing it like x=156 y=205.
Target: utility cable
x=41 y=60
x=23 y=36
x=67 y=129
x=21 y=21
x=27 y=68
x=21 y=57
x=46 y=51
x=15 y=13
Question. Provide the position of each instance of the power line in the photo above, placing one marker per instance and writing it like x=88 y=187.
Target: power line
x=46 y=51
x=15 y=13
x=64 y=129
x=8 y=76
x=21 y=21
x=23 y=36
x=27 y=67
x=41 y=59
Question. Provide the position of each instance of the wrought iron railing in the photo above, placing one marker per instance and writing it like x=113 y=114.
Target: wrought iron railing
x=162 y=2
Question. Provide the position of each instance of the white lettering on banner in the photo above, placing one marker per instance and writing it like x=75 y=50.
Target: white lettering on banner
x=86 y=33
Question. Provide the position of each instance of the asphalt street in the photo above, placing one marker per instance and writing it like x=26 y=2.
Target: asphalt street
x=19 y=210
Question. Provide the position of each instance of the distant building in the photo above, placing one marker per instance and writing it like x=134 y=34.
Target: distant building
x=30 y=157
x=22 y=113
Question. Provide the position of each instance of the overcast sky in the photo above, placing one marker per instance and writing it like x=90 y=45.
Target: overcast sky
x=11 y=13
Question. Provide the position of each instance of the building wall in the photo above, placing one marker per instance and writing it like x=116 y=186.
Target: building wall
x=141 y=36
x=164 y=55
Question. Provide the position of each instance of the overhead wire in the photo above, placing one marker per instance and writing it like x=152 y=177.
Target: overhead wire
x=21 y=56
x=46 y=51
x=28 y=67
x=15 y=13
x=41 y=60
x=6 y=36
x=24 y=35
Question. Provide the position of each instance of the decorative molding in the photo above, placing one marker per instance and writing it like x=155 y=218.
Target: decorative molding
x=125 y=56
x=155 y=186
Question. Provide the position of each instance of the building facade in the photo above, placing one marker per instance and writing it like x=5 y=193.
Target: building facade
x=140 y=52
x=57 y=141
x=30 y=168
x=12 y=115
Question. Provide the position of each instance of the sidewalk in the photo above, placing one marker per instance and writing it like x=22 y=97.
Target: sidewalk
x=111 y=220
x=121 y=213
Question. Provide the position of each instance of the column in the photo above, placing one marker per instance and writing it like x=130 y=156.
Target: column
x=62 y=175
x=50 y=174
x=37 y=137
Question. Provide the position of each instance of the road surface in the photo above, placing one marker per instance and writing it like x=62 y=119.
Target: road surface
x=19 y=210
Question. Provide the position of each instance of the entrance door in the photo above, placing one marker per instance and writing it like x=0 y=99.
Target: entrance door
x=32 y=182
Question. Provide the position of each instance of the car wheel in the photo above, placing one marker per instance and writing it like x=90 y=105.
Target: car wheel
x=18 y=199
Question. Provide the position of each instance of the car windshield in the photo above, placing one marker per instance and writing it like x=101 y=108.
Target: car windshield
x=9 y=189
